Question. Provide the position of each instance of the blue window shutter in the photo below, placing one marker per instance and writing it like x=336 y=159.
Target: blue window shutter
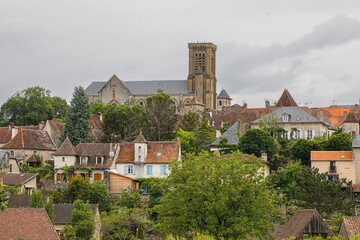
x=149 y=169
x=134 y=169
x=125 y=170
x=163 y=170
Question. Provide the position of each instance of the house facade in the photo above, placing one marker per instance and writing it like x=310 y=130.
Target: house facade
x=26 y=181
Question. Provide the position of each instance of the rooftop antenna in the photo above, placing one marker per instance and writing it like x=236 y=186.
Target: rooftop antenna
x=333 y=102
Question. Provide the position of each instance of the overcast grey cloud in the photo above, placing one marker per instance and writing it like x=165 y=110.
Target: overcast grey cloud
x=310 y=47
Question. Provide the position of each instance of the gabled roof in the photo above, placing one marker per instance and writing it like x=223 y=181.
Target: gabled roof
x=17 y=178
x=93 y=150
x=224 y=95
x=351 y=226
x=21 y=201
x=31 y=139
x=26 y=223
x=33 y=159
x=297 y=115
x=232 y=135
x=63 y=212
x=299 y=221
x=66 y=148
x=57 y=127
x=94 y=88
x=140 y=138
x=351 y=118
x=286 y=100
x=331 y=155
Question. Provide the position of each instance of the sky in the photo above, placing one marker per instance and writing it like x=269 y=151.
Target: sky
x=312 y=48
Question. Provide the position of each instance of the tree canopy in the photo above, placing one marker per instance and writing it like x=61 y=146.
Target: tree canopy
x=36 y=199
x=190 y=121
x=31 y=106
x=205 y=134
x=98 y=194
x=78 y=189
x=224 y=197
x=82 y=220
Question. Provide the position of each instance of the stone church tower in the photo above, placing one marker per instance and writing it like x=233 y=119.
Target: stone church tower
x=202 y=79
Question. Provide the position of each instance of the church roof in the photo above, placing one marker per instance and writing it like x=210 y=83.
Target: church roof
x=224 y=95
x=286 y=100
x=145 y=87
x=351 y=118
x=194 y=101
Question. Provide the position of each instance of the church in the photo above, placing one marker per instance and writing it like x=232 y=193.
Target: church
x=196 y=93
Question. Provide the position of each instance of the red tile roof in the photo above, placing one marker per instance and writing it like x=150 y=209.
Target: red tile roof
x=26 y=223
x=286 y=100
x=140 y=138
x=32 y=159
x=31 y=139
x=17 y=178
x=5 y=134
x=66 y=148
x=351 y=225
x=331 y=155
x=231 y=117
x=58 y=127
x=93 y=150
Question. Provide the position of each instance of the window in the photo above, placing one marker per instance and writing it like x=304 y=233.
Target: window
x=285 y=134
x=285 y=118
x=51 y=156
x=162 y=169
x=333 y=177
x=297 y=134
x=309 y=134
x=98 y=160
x=63 y=159
x=332 y=166
x=220 y=103
x=12 y=153
x=158 y=154
x=97 y=177
x=149 y=169
x=35 y=152
x=83 y=160
x=130 y=169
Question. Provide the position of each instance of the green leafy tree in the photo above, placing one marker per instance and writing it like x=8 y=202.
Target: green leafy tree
x=225 y=127
x=77 y=118
x=161 y=117
x=67 y=233
x=190 y=121
x=49 y=207
x=339 y=142
x=60 y=107
x=270 y=124
x=224 y=197
x=97 y=107
x=4 y=197
x=29 y=107
x=78 y=189
x=61 y=196
x=204 y=134
x=129 y=199
x=301 y=150
x=82 y=220
x=98 y=194
x=36 y=199
x=188 y=141
x=256 y=141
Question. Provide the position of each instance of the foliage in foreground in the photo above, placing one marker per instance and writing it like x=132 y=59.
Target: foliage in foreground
x=224 y=197
x=82 y=220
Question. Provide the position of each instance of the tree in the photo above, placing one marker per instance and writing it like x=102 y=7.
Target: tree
x=78 y=188
x=256 y=141
x=311 y=189
x=188 y=141
x=204 y=134
x=161 y=117
x=99 y=194
x=77 y=118
x=82 y=220
x=97 y=107
x=60 y=107
x=129 y=199
x=339 y=142
x=31 y=106
x=4 y=197
x=225 y=197
x=270 y=124
x=301 y=150
x=36 y=199
x=67 y=233
x=225 y=127
x=49 y=207
x=190 y=121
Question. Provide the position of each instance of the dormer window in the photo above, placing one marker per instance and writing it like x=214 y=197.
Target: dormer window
x=98 y=160
x=285 y=118
x=158 y=154
x=83 y=160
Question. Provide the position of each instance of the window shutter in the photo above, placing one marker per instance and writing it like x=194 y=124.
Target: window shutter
x=87 y=177
x=313 y=134
x=150 y=169
x=58 y=177
x=305 y=134
x=125 y=170
x=69 y=177
x=134 y=169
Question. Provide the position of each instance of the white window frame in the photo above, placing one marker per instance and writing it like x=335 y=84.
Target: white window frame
x=97 y=158
x=285 y=134
x=81 y=160
x=310 y=134
x=297 y=134
x=285 y=117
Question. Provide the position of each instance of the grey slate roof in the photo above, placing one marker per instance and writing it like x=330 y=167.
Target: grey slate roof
x=297 y=115
x=231 y=135
x=63 y=212
x=145 y=87
x=224 y=95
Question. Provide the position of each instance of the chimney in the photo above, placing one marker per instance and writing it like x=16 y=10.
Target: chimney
x=267 y=104
x=11 y=125
x=321 y=115
x=41 y=125
x=100 y=116
x=245 y=105
x=14 y=131
x=264 y=156
x=314 y=112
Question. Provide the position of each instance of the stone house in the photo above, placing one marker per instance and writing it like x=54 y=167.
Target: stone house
x=143 y=158
x=201 y=83
x=27 y=142
x=54 y=128
x=26 y=181
x=96 y=156
x=223 y=100
x=26 y=223
x=351 y=124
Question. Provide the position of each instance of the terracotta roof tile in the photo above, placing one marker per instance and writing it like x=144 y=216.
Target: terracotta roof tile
x=286 y=100
x=26 y=223
x=32 y=159
x=17 y=178
x=58 y=127
x=351 y=225
x=31 y=139
x=66 y=148
x=5 y=134
x=351 y=118
x=140 y=138
x=126 y=154
x=331 y=155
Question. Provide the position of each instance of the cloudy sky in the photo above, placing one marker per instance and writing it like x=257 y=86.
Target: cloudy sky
x=310 y=47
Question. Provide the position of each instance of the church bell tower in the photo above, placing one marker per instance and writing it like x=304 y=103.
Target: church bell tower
x=202 y=79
